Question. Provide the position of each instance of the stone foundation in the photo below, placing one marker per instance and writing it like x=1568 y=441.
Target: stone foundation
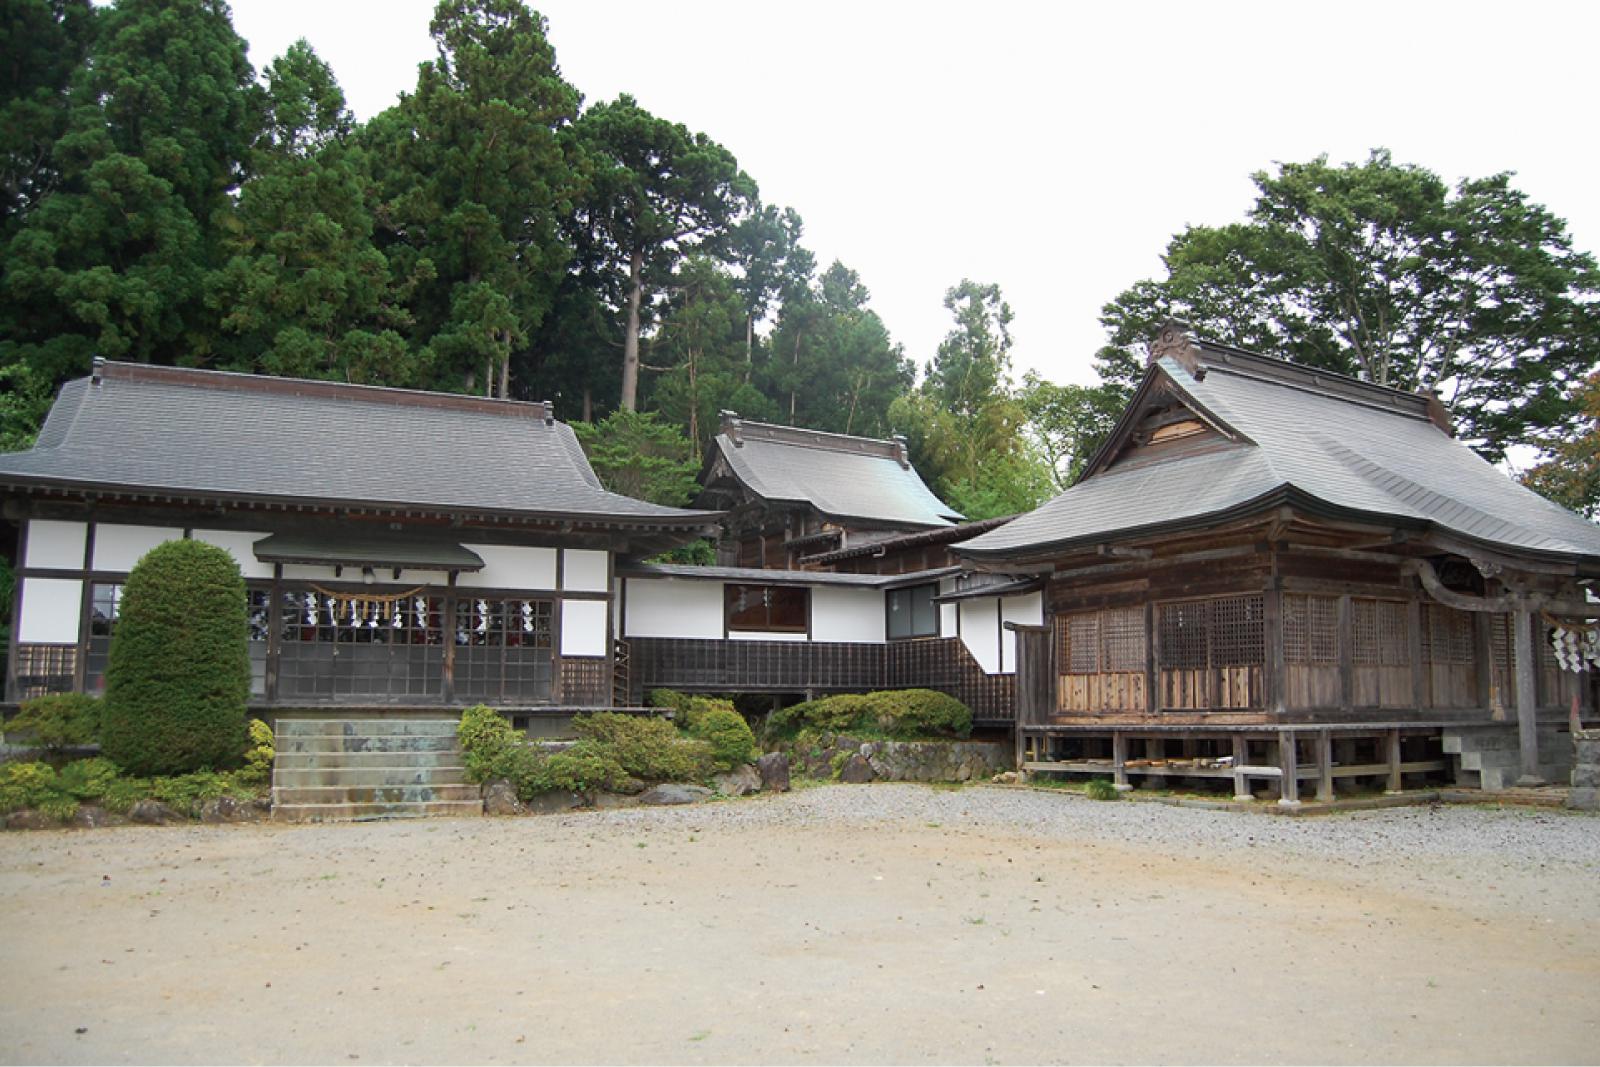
x=1585 y=794
x=855 y=760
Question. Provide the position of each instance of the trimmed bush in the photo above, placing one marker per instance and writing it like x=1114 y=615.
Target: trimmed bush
x=648 y=749
x=28 y=785
x=486 y=737
x=56 y=722
x=678 y=703
x=179 y=674
x=586 y=767
x=718 y=725
x=88 y=779
x=891 y=714
x=262 y=751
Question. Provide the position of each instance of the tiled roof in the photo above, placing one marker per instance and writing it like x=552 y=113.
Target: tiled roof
x=234 y=436
x=857 y=478
x=1317 y=440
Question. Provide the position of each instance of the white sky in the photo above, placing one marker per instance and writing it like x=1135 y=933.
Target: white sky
x=1051 y=148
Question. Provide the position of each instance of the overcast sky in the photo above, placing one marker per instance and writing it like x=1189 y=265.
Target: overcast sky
x=1054 y=149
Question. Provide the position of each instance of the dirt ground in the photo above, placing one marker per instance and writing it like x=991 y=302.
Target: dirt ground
x=744 y=932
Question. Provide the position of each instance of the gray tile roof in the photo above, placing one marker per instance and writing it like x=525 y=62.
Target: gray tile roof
x=842 y=477
x=340 y=547
x=764 y=576
x=1318 y=440
x=235 y=436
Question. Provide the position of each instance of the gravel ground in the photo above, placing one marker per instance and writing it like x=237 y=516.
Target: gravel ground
x=882 y=923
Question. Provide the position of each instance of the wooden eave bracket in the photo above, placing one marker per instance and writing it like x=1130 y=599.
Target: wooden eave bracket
x=1497 y=604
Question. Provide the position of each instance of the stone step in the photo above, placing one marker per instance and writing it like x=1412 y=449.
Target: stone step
x=366 y=743
x=301 y=761
x=366 y=777
x=352 y=811
x=380 y=794
x=366 y=727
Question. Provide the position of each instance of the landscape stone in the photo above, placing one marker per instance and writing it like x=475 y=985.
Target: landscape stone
x=151 y=812
x=607 y=801
x=674 y=793
x=774 y=770
x=27 y=820
x=739 y=781
x=857 y=770
x=552 y=803
x=225 y=809
x=500 y=798
x=92 y=817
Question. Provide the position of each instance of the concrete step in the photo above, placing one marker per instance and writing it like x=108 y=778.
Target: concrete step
x=366 y=743
x=366 y=727
x=366 y=777
x=379 y=794
x=301 y=761
x=352 y=811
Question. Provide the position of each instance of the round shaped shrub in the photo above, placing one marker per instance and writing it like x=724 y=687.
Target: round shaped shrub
x=179 y=675
x=731 y=740
x=912 y=714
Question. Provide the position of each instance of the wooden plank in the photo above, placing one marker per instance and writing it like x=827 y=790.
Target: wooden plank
x=1346 y=633
x=1391 y=742
x=1119 y=759
x=1241 y=783
x=1324 y=766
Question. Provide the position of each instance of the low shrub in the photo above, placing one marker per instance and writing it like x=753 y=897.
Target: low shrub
x=88 y=779
x=649 y=749
x=676 y=702
x=724 y=729
x=262 y=751
x=525 y=767
x=56 y=722
x=28 y=785
x=486 y=737
x=1100 y=789
x=891 y=714
x=122 y=794
x=586 y=767
x=186 y=793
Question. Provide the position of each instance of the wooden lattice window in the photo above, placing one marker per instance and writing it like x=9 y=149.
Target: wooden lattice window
x=1310 y=629
x=1109 y=642
x=1446 y=636
x=1222 y=632
x=1379 y=634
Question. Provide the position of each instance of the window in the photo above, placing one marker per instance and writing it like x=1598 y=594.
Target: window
x=912 y=612
x=767 y=608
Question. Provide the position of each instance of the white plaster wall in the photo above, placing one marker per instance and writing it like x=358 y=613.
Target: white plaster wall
x=241 y=546
x=670 y=607
x=583 y=627
x=752 y=635
x=1027 y=610
x=584 y=570
x=306 y=573
x=118 y=548
x=854 y=616
x=507 y=567
x=980 y=631
x=50 y=609
x=55 y=544
x=947 y=612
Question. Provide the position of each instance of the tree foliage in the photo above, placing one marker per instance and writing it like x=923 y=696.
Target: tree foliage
x=1570 y=472
x=1382 y=271
x=640 y=456
x=179 y=673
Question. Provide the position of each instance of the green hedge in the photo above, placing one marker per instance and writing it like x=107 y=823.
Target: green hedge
x=179 y=673
x=649 y=749
x=895 y=714
x=56 y=722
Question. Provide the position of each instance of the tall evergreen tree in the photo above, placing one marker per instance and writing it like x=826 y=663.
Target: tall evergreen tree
x=475 y=183
x=657 y=193
x=44 y=42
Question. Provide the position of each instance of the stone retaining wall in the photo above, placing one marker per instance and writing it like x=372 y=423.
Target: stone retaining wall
x=1585 y=793
x=852 y=759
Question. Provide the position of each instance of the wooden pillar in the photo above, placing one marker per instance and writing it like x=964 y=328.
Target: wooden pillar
x=1325 y=766
x=1391 y=750
x=1419 y=670
x=1241 y=783
x=1119 y=761
x=1527 y=698
x=1152 y=662
x=274 y=635
x=1346 y=633
x=448 y=622
x=1274 y=697
x=1289 y=768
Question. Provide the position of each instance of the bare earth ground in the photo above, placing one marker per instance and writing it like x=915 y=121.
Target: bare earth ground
x=838 y=924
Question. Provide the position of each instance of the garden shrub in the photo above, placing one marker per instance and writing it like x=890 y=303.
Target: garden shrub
x=88 y=779
x=28 y=785
x=648 y=749
x=185 y=793
x=486 y=737
x=586 y=767
x=895 y=714
x=179 y=674
x=1100 y=789
x=56 y=722
x=678 y=703
x=122 y=794
x=259 y=756
x=731 y=740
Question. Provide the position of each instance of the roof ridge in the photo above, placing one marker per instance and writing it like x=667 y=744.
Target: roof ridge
x=239 y=381
x=738 y=432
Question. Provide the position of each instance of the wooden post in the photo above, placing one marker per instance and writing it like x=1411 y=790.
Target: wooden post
x=1419 y=670
x=1527 y=698
x=1152 y=663
x=1325 y=766
x=1241 y=784
x=1119 y=761
x=1391 y=746
x=448 y=622
x=1274 y=697
x=274 y=638
x=1289 y=767
x=1346 y=634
